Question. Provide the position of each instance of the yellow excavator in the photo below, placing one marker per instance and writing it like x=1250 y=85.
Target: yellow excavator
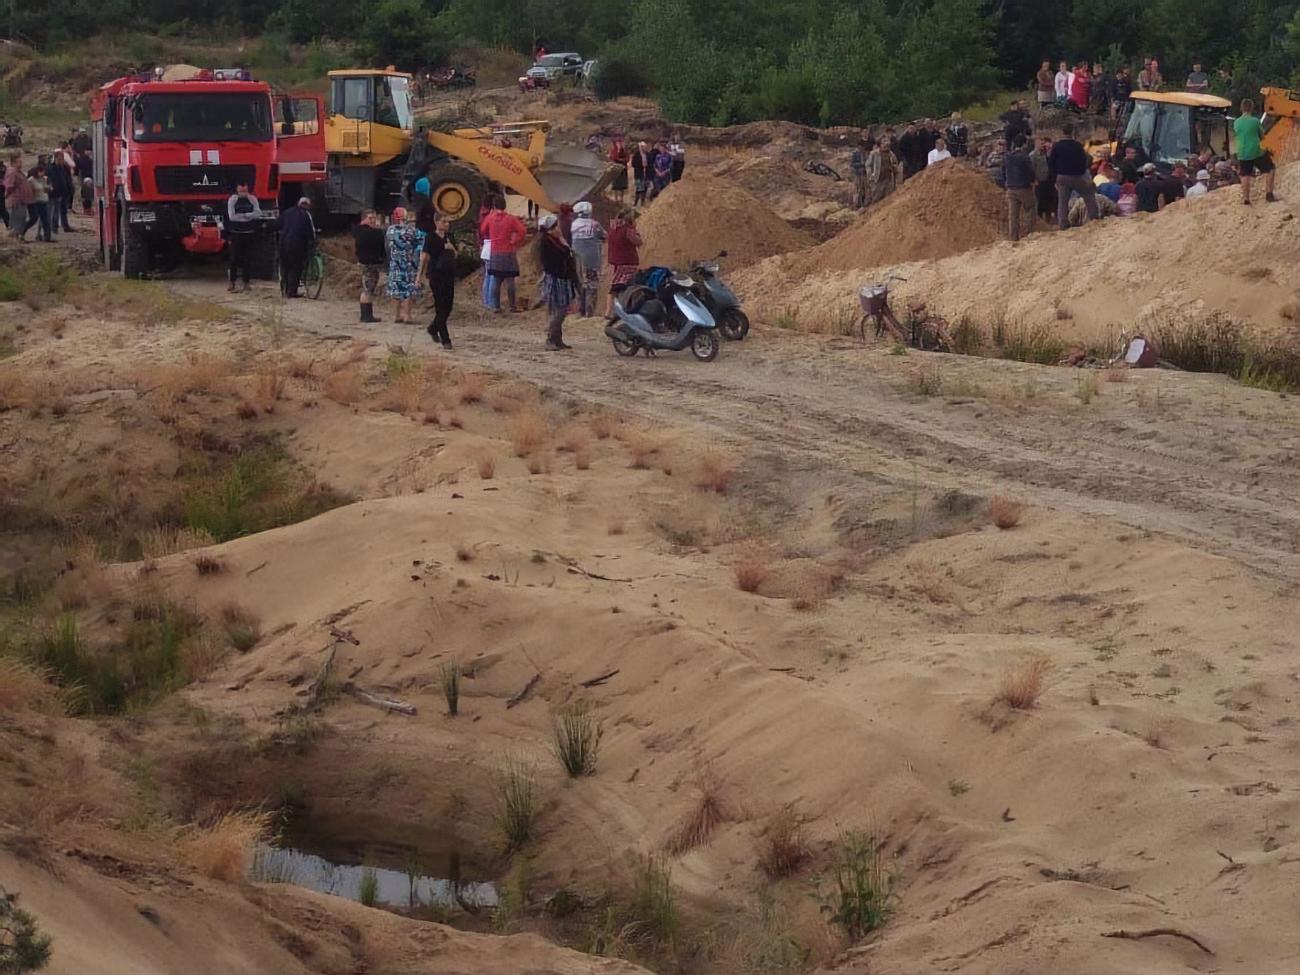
x=1170 y=126
x=376 y=153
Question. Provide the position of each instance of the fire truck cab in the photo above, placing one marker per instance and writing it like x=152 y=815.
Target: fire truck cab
x=169 y=153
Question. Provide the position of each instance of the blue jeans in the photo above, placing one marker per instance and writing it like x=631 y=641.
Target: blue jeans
x=39 y=213
x=489 y=289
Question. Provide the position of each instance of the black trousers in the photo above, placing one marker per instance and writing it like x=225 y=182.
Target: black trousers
x=292 y=260
x=443 y=286
x=240 y=247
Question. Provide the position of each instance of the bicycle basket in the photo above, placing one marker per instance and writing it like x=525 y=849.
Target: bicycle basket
x=872 y=298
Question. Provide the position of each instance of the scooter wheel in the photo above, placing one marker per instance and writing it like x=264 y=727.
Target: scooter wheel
x=625 y=348
x=704 y=344
x=734 y=324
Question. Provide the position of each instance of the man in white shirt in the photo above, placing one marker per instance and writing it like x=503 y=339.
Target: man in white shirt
x=939 y=153
x=1202 y=185
x=1063 y=79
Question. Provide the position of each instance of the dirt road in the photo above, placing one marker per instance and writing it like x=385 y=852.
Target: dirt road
x=1194 y=456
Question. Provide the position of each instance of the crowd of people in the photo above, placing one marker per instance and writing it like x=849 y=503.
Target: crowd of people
x=880 y=164
x=1085 y=86
x=653 y=165
x=44 y=195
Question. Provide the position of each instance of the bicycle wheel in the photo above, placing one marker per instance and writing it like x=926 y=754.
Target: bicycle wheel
x=313 y=278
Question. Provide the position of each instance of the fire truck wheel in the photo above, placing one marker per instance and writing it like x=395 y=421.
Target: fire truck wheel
x=264 y=263
x=135 y=250
x=457 y=192
x=108 y=252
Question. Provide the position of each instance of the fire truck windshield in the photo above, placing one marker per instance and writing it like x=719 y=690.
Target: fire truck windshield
x=199 y=117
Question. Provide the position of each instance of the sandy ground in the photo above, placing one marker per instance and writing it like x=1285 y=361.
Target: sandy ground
x=1153 y=788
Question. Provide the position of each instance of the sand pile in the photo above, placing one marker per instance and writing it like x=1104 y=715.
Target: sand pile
x=698 y=217
x=941 y=211
x=1192 y=258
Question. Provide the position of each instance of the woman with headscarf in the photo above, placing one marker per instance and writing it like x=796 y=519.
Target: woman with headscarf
x=404 y=243
x=587 y=237
x=560 y=284
x=624 y=257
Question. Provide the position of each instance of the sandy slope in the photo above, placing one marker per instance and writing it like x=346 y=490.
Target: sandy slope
x=1211 y=254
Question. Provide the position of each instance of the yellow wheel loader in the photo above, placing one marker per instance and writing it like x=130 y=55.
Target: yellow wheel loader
x=375 y=153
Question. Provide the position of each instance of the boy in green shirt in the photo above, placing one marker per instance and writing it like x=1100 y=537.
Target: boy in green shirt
x=1251 y=157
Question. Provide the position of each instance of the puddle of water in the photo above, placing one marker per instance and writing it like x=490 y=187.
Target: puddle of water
x=406 y=886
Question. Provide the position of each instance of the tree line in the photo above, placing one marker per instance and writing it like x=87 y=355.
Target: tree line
x=726 y=61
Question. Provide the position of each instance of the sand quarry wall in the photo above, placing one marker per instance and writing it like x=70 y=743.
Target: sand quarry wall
x=1194 y=257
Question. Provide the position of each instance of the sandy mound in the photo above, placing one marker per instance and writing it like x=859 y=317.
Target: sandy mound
x=699 y=217
x=1192 y=258
x=941 y=211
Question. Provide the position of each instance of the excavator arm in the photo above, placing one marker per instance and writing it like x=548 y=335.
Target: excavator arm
x=1280 y=119
x=547 y=177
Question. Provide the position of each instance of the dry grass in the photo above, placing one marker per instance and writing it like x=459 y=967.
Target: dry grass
x=487 y=466
x=158 y=542
x=303 y=369
x=714 y=471
x=470 y=388
x=209 y=565
x=246 y=410
x=1023 y=683
x=783 y=848
x=173 y=382
x=528 y=431
x=605 y=425
x=25 y=688
x=464 y=552
x=224 y=850
x=753 y=566
x=1004 y=512
x=574 y=439
x=406 y=393
x=268 y=389
x=537 y=465
x=582 y=458
x=641 y=446
x=708 y=812
x=1116 y=374
x=344 y=385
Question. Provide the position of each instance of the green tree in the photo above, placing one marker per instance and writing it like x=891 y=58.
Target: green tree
x=22 y=947
x=947 y=58
x=846 y=61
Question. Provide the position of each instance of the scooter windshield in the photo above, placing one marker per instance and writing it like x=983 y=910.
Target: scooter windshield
x=693 y=309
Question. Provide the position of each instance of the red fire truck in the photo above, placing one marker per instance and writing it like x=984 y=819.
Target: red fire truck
x=168 y=154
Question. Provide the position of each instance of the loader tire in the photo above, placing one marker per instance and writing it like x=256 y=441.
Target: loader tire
x=134 y=261
x=457 y=192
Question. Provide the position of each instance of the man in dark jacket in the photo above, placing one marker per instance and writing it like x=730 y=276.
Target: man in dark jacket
x=1070 y=162
x=61 y=192
x=957 y=136
x=910 y=153
x=1020 y=189
x=1015 y=122
x=297 y=236
x=372 y=258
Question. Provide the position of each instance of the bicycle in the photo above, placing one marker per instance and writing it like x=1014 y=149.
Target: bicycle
x=313 y=274
x=922 y=330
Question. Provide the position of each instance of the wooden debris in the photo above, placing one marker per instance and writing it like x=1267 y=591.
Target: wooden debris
x=528 y=689
x=597 y=681
x=344 y=636
x=388 y=704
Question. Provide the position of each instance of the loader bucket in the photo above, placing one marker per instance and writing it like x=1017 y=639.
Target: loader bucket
x=569 y=174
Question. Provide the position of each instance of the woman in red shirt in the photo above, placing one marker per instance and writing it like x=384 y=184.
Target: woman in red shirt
x=620 y=157
x=506 y=233
x=623 y=256
x=1081 y=87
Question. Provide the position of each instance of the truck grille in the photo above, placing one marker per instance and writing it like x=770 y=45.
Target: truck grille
x=202 y=180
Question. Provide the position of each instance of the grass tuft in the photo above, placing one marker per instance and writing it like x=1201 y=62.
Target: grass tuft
x=517 y=804
x=470 y=388
x=714 y=472
x=783 y=848
x=209 y=565
x=1023 y=683
x=224 y=850
x=709 y=812
x=368 y=890
x=528 y=431
x=577 y=735
x=449 y=679
x=753 y=566
x=653 y=913
x=487 y=466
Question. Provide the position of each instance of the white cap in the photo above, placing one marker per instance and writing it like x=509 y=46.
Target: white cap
x=1203 y=176
x=582 y=206
x=548 y=221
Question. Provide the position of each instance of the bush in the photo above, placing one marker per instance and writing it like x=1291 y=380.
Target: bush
x=517 y=804
x=653 y=913
x=861 y=895
x=787 y=95
x=619 y=76
x=224 y=850
x=449 y=677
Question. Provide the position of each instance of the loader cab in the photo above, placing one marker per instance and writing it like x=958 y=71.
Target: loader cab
x=1171 y=126
x=369 y=113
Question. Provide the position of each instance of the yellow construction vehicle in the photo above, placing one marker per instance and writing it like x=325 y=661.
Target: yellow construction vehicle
x=1170 y=126
x=376 y=153
x=1281 y=132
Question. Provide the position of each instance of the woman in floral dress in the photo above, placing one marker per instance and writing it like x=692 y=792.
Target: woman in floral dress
x=404 y=243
